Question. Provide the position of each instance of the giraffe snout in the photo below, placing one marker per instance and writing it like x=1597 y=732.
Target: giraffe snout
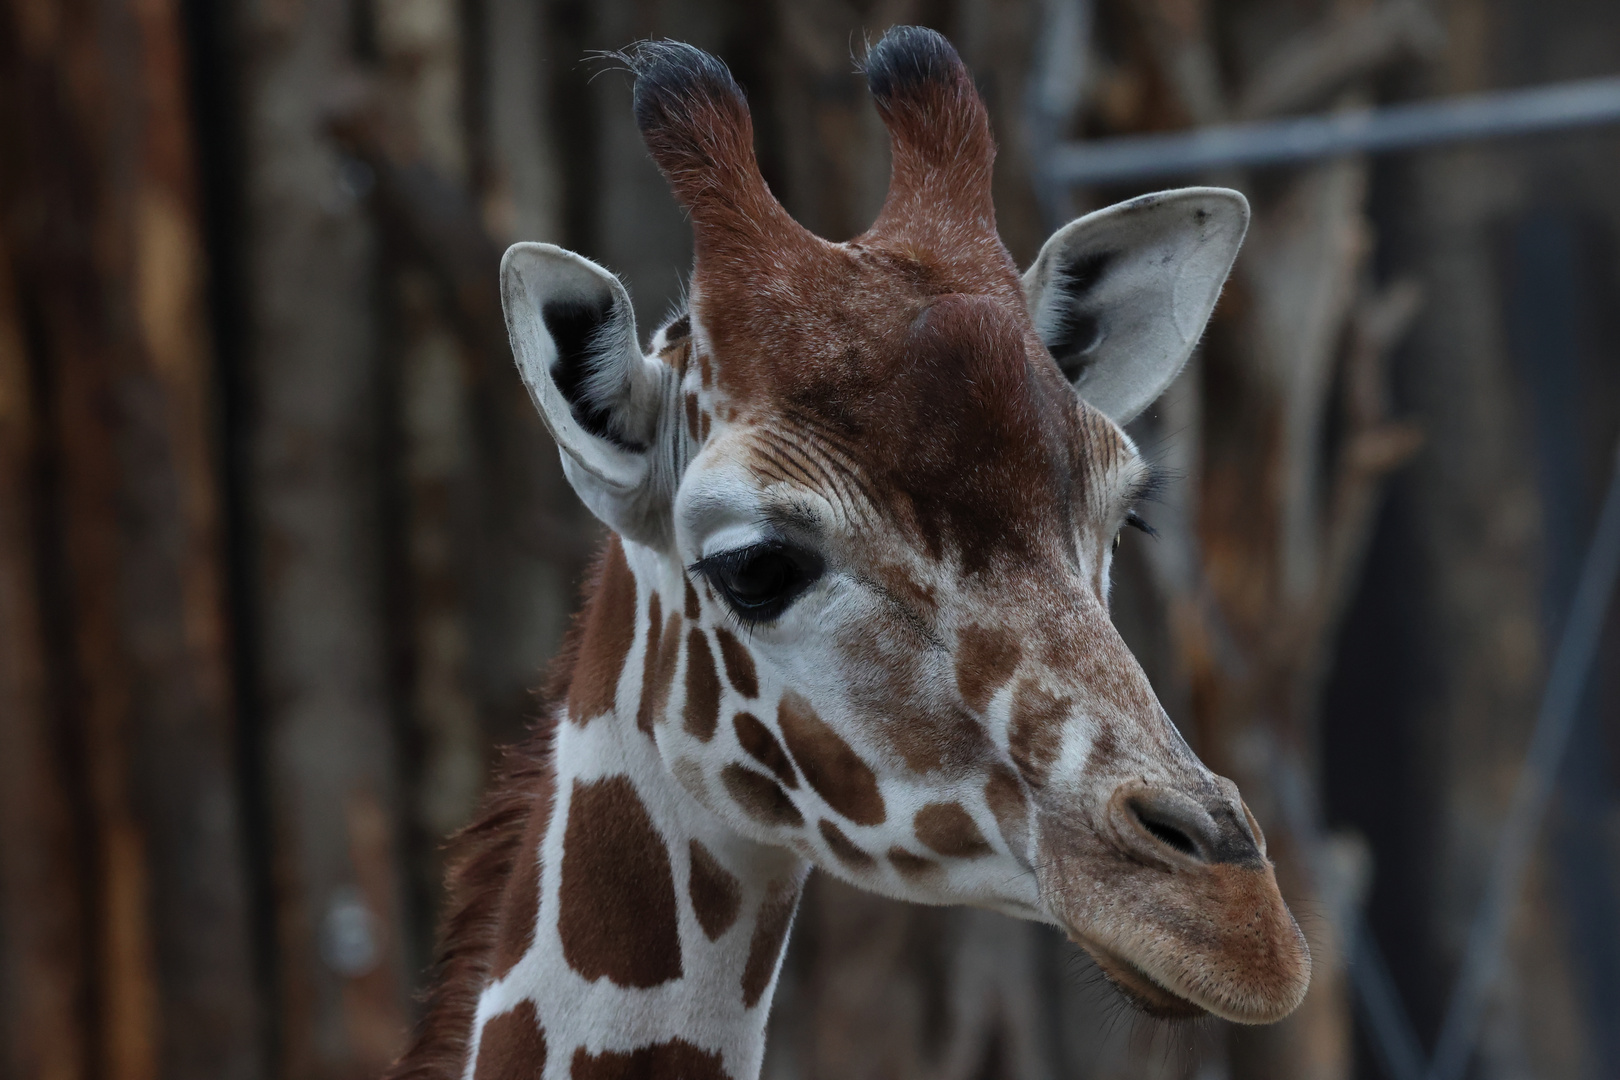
x=1177 y=828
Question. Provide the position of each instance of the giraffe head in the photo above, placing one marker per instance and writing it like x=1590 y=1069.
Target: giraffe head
x=876 y=486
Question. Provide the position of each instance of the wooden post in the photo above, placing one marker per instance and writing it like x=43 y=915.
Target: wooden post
x=325 y=560
x=42 y=976
x=109 y=269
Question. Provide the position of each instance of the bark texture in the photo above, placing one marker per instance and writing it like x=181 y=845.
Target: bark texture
x=284 y=548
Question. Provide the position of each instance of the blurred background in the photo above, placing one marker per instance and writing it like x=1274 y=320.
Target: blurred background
x=284 y=549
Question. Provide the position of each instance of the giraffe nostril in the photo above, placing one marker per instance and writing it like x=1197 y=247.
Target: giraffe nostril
x=1167 y=825
x=1161 y=823
x=1165 y=832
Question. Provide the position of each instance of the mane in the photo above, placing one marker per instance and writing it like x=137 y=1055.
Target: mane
x=482 y=856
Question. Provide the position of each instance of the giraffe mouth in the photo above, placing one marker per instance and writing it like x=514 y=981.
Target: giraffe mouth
x=1138 y=988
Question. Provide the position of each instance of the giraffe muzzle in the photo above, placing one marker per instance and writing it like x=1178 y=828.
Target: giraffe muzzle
x=1169 y=889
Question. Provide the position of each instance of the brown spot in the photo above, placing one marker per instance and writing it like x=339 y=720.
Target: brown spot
x=645 y=717
x=909 y=865
x=757 y=739
x=832 y=768
x=1104 y=754
x=770 y=931
x=702 y=709
x=512 y=1046
x=843 y=847
x=692 y=609
x=716 y=894
x=739 y=664
x=616 y=914
x=985 y=659
x=945 y=736
x=676 y=1059
x=663 y=652
x=1036 y=731
x=610 y=628
x=1006 y=798
x=520 y=902
x=761 y=797
x=703 y=427
x=948 y=738
x=692 y=417
x=705 y=372
x=949 y=829
x=917 y=598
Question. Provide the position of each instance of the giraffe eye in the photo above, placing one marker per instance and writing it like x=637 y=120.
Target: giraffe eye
x=1134 y=521
x=759 y=581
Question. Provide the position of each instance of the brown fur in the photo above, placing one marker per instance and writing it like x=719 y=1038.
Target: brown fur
x=481 y=860
x=754 y=737
x=911 y=865
x=942 y=150
x=702 y=708
x=484 y=854
x=616 y=906
x=760 y=797
x=843 y=847
x=985 y=659
x=696 y=125
x=829 y=765
x=739 y=663
x=692 y=421
x=1032 y=737
x=609 y=631
x=513 y=1046
x=646 y=716
x=655 y=691
x=520 y=906
x=842 y=341
x=947 y=739
x=949 y=829
x=1006 y=798
x=676 y=1059
x=715 y=893
x=770 y=931
x=835 y=345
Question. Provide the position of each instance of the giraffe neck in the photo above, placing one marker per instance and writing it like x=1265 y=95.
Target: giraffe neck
x=639 y=936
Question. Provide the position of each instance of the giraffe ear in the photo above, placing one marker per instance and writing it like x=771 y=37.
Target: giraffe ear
x=574 y=337
x=1122 y=295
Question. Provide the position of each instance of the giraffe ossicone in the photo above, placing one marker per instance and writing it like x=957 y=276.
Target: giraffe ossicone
x=854 y=613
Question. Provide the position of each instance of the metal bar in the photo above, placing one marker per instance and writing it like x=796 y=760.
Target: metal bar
x=1397 y=127
x=1388 y=1025
x=1393 y=1039
x=1577 y=647
x=1056 y=88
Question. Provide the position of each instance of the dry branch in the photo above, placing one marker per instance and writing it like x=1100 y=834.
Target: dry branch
x=1346 y=49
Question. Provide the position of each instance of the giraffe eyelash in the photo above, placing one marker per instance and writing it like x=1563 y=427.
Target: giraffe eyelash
x=1149 y=485
x=1134 y=520
x=760 y=581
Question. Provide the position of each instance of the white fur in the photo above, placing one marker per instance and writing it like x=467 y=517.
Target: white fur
x=1155 y=295
x=629 y=490
x=672 y=508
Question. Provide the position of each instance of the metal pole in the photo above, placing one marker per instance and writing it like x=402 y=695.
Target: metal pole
x=1577 y=647
x=1397 y=127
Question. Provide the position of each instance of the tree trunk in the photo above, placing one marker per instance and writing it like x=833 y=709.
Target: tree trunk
x=324 y=565
x=107 y=246
x=42 y=973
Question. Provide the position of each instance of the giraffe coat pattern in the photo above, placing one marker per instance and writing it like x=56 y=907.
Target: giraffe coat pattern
x=854 y=611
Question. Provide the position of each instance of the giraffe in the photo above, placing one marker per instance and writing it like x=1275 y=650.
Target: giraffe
x=853 y=611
